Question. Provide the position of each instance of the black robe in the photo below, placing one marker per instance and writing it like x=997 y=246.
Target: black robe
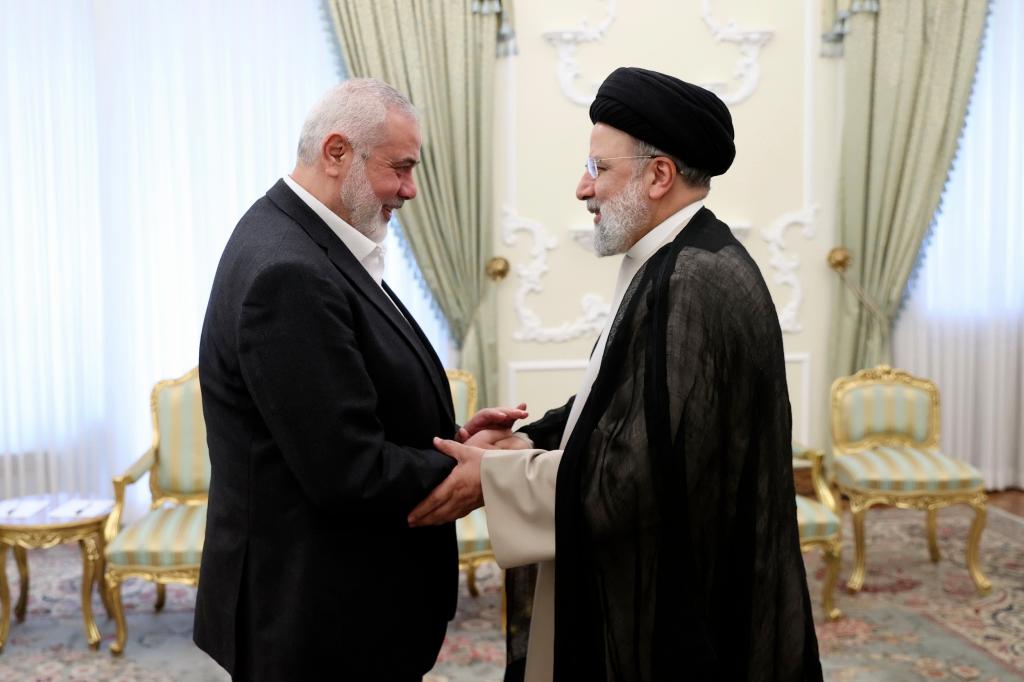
x=677 y=548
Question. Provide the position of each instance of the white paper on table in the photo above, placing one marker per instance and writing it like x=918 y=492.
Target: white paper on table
x=21 y=509
x=81 y=509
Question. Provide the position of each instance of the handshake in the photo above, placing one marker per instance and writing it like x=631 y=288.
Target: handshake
x=461 y=492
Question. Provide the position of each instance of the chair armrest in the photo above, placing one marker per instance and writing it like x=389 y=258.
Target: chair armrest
x=821 y=486
x=136 y=471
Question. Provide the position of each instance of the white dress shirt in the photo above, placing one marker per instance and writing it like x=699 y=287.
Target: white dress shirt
x=368 y=252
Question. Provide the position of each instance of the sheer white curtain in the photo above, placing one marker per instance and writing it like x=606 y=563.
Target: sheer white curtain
x=963 y=326
x=133 y=135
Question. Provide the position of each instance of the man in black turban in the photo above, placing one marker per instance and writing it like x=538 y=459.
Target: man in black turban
x=664 y=488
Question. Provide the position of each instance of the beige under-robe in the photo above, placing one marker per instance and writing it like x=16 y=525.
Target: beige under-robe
x=519 y=493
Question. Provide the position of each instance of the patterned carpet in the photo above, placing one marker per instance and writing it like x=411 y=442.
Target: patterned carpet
x=914 y=620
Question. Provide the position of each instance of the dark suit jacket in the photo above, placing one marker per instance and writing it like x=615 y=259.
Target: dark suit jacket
x=320 y=403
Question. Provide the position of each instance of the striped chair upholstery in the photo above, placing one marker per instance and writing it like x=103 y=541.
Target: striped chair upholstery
x=168 y=537
x=815 y=519
x=183 y=461
x=472 y=533
x=905 y=468
x=886 y=410
x=463 y=387
x=886 y=427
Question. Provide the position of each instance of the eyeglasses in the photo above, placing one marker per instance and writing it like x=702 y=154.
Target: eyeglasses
x=592 y=162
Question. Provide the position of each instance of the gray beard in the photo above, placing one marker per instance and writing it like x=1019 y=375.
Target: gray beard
x=620 y=217
x=363 y=205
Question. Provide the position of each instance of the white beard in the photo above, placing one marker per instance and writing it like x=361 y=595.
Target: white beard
x=620 y=217
x=365 y=209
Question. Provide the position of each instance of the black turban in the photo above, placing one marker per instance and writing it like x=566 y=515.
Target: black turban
x=684 y=120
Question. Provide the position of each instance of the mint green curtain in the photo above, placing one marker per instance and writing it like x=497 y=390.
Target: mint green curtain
x=909 y=70
x=442 y=54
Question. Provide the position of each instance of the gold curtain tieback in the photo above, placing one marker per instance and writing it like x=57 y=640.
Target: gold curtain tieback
x=839 y=259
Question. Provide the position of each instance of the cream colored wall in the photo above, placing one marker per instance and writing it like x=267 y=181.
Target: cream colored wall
x=779 y=192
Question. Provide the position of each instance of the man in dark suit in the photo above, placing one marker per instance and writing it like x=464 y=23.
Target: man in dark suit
x=321 y=397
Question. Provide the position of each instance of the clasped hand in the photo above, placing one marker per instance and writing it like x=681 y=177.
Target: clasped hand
x=461 y=492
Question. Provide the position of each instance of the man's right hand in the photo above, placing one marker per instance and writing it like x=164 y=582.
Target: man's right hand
x=498 y=439
x=457 y=495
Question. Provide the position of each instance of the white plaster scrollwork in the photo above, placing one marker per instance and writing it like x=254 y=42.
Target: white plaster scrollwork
x=565 y=42
x=748 y=69
x=785 y=265
x=594 y=309
x=583 y=235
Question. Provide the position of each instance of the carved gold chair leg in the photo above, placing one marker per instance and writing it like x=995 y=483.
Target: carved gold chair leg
x=21 y=558
x=504 y=605
x=114 y=592
x=90 y=555
x=471 y=580
x=161 y=597
x=832 y=564
x=5 y=597
x=973 y=543
x=933 y=536
x=856 y=580
x=101 y=587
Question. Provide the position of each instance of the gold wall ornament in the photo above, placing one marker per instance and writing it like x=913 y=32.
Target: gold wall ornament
x=497 y=268
x=839 y=258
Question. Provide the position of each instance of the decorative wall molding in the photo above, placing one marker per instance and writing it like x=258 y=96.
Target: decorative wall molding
x=516 y=366
x=748 y=68
x=583 y=235
x=786 y=265
x=747 y=72
x=594 y=309
x=565 y=42
x=803 y=428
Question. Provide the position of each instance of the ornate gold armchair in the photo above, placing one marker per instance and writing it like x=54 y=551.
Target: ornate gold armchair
x=166 y=544
x=885 y=427
x=471 y=531
x=819 y=526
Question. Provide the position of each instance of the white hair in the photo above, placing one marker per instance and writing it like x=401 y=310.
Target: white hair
x=356 y=109
x=694 y=177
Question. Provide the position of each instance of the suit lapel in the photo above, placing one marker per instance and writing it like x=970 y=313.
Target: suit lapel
x=285 y=199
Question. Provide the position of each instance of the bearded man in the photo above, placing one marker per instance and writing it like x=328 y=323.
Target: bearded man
x=659 y=501
x=321 y=395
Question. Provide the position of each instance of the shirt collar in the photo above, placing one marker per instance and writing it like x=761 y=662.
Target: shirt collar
x=358 y=243
x=665 y=232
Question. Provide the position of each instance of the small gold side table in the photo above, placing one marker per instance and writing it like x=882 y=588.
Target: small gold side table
x=43 y=530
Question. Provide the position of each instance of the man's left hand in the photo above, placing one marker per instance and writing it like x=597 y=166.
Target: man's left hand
x=457 y=495
x=491 y=418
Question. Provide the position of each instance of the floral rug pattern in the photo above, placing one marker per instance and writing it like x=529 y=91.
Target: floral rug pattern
x=913 y=620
